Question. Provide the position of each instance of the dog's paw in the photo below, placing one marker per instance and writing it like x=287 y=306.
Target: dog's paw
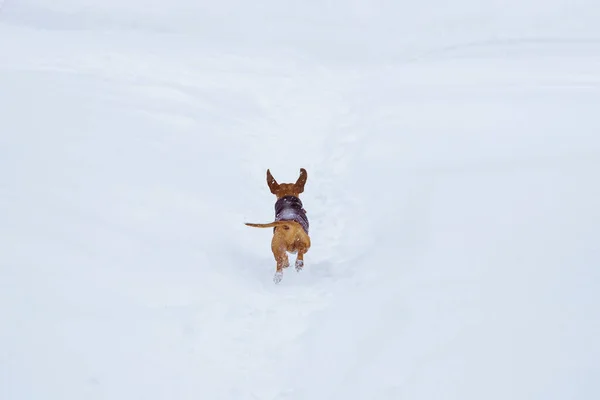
x=277 y=277
x=299 y=265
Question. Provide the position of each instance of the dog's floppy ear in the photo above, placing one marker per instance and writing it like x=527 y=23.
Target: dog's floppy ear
x=301 y=180
x=273 y=185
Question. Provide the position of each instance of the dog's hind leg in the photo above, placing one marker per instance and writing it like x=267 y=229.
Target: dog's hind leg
x=300 y=260
x=281 y=257
x=302 y=246
x=282 y=262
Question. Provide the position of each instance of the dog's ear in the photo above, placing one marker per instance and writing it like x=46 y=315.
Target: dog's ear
x=273 y=185
x=301 y=180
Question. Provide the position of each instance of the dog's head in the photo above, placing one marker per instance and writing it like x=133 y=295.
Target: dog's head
x=287 y=189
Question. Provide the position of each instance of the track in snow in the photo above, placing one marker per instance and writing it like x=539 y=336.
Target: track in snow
x=450 y=194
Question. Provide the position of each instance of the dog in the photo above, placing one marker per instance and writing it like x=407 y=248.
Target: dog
x=290 y=228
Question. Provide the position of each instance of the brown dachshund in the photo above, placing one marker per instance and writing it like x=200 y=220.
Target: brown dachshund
x=290 y=228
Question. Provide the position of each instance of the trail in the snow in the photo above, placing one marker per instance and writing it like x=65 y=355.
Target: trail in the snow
x=451 y=166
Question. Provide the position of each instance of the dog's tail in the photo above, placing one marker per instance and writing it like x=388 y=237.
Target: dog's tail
x=269 y=225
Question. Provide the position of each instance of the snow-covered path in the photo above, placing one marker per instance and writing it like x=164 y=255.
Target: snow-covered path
x=452 y=198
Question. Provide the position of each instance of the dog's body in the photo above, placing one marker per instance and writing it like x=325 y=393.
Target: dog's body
x=290 y=228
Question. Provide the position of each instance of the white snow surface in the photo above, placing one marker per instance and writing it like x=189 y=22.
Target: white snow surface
x=453 y=158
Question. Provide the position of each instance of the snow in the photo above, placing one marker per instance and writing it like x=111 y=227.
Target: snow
x=452 y=152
